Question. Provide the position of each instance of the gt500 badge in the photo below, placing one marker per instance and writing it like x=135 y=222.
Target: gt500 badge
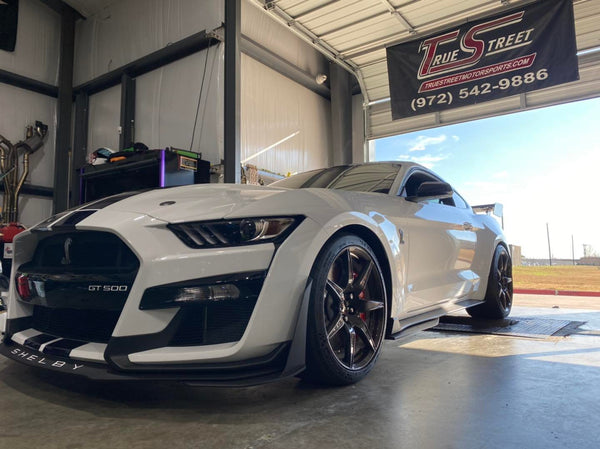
x=108 y=288
x=39 y=360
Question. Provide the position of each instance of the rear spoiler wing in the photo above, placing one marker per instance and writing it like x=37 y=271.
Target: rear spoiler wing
x=495 y=208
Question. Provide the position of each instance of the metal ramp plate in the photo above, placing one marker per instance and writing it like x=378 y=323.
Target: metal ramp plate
x=527 y=327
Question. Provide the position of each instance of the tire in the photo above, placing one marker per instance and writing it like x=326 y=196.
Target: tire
x=499 y=293
x=347 y=312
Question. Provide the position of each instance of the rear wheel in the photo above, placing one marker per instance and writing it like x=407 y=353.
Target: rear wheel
x=347 y=312
x=499 y=293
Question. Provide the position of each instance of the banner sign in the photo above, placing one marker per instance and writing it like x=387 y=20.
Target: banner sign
x=525 y=49
x=9 y=15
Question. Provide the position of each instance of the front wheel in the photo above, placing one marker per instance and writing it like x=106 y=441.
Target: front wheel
x=499 y=293
x=347 y=312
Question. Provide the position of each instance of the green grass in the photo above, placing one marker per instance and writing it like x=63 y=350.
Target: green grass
x=576 y=278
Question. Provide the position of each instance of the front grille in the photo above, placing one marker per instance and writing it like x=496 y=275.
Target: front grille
x=219 y=322
x=86 y=325
x=82 y=252
x=77 y=283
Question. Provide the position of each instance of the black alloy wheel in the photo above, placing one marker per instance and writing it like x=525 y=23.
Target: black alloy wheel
x=347 y=314
x=499 y=293
x=503 y=280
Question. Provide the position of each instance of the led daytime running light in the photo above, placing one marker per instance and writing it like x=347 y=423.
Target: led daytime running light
x=224 y=233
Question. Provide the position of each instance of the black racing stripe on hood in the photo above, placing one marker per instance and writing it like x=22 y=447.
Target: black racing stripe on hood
x=72 y=219
x=105 y=202
x=74 y=216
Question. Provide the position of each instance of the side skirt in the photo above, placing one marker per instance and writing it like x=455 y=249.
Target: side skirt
x=413 y=324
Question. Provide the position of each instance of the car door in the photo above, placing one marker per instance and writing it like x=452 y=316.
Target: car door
x=440 y=239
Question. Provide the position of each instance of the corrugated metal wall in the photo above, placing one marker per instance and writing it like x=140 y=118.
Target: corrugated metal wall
x=167 y=98
x=275 y=108
x=35 y=56
x=126 y=30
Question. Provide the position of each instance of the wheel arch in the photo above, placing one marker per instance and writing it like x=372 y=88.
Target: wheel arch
x=377 y=246
x=500 y=242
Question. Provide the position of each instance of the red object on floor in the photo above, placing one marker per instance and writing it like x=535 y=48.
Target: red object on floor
x=9 y=231
x=531 y=291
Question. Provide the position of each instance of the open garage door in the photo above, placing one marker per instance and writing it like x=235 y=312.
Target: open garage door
x=355 y=34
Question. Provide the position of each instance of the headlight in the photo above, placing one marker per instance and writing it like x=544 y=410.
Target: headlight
x=243 y=231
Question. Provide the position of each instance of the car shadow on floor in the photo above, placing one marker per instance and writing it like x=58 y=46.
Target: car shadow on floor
x=448 y=389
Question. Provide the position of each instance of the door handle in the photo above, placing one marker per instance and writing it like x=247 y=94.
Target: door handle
x=467 y=226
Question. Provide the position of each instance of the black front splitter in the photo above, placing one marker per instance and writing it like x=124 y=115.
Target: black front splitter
x=213 y=377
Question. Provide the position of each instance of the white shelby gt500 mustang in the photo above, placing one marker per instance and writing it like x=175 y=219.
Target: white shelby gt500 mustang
x=238 y=285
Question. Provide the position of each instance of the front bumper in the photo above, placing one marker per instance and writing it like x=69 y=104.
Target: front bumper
x=286 y=360
x=273 y=316
x=139 y=346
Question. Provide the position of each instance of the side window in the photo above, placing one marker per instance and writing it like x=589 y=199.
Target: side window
x=459 y=201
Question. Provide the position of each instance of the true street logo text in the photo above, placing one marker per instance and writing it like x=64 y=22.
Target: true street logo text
x=437 y=61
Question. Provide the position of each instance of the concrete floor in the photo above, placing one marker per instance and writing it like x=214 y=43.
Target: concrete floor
x=437 y=390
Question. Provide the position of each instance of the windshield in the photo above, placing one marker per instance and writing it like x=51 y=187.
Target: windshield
x=358 y=178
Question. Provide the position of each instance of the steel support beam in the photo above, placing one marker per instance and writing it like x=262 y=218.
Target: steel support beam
x=28 y=83
x=80 y=141
x=232 y=148
x=171 y=53
x=62 y=8
x=341 y=115
x=127 y=123
x=269 y=7
x=62 y=159
x=280 y=65
x=33 y=190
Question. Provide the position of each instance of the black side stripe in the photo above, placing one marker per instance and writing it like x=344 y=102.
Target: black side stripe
x=63 y=348
x=37 y=341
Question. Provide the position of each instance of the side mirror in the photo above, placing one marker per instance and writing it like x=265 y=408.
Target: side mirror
x=432 y=190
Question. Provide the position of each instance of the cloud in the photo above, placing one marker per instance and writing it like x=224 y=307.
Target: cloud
x=428 y=160
x=456 y=138
x=422 y=142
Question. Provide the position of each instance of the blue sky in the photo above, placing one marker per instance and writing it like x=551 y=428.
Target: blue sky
x=543 y=165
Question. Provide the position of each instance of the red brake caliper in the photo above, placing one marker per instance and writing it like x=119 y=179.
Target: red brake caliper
x=361 y=295
x=362 y=315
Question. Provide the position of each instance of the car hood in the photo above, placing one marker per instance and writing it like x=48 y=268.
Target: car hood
x=196 y=202
x=217 y=201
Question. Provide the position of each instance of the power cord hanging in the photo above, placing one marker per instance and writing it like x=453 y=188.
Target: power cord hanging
x=212 y=66
x=200 y=94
